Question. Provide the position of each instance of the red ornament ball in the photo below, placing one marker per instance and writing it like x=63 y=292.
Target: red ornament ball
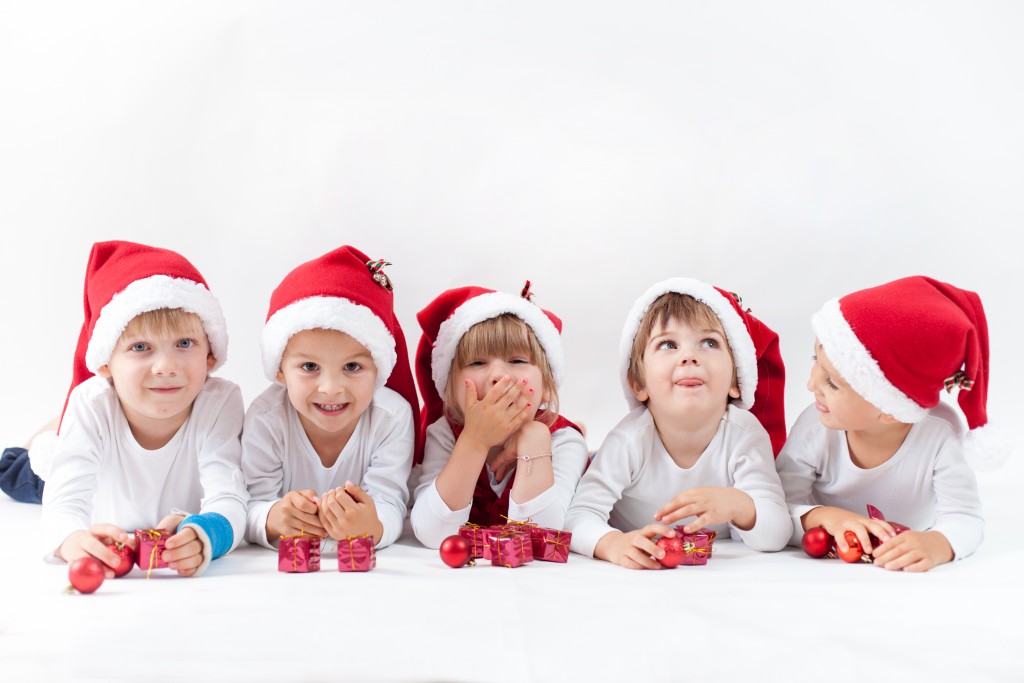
x=673 y=547
x=854 y=552
x=127 y=561
x=455 y=551
x=817 y=542
x=85 y=574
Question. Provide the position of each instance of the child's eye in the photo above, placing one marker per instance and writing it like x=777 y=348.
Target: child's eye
x=474 y=363
x=353 y=367
x=519 y=361
x=710 y=343
x=831 y=385
x=310 y=367
x=666 y=345
x=139 y=347
x=186 y=343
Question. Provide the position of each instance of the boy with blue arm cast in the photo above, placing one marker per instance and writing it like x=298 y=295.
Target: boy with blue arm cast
x=149 y=439
x=877 y=433
x=705 y=381
x=327 y=449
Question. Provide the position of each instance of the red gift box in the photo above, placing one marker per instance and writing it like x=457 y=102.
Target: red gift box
x=696 y=546
x=514 y=527
x=510 y=549
x=550 y=545
x=479 y=542
x=299 y=554
x=149 y=548
x=356 y=554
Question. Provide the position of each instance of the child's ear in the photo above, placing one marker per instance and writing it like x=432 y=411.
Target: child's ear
x=280 y=376
x=104 y=371
x=211 y=360
x=640 y=392
x=734 y=391
x=887 y=419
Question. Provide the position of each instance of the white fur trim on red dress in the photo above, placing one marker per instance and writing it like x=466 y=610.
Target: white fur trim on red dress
x=485 y=307
x=150 y=294
x=743 y=352
x=329 y=313
x=862 y=372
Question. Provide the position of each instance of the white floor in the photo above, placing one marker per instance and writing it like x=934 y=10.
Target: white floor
x=744 y=616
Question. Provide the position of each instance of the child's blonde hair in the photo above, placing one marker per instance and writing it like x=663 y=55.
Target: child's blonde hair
x=668 y=306
x=165 y=322
x=502 y=336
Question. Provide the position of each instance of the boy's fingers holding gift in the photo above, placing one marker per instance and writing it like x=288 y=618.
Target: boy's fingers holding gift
x=170 y=522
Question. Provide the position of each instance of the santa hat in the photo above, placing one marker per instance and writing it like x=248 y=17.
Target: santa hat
x=899 y=344
x=342 y=290
x=760 y=372
x=125 y=279
x=446 y=320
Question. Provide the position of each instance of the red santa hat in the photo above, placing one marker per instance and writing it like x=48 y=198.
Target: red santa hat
x=125 y=279
x=760 y=372
x=900 y=344
x=342 y=290
x=446 y=320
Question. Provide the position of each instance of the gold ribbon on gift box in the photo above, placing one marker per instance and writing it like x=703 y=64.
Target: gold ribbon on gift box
x=153 y=535
x=474 y=528
x=522 y=545
x=558 y=540
x=295 y=550
x=351 y=548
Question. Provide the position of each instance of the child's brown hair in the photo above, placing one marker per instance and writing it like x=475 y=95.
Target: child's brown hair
x=668 y=306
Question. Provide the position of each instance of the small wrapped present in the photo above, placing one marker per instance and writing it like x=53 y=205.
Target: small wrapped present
x=299 y=554
x=479 y=542
x=875 y=513
x=550 y=545
x=696 y=546
x=356 y=554
x=510 y=549
x=149 y=548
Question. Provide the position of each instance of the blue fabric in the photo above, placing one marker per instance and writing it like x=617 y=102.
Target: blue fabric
x=17 y=479
x=217 y=528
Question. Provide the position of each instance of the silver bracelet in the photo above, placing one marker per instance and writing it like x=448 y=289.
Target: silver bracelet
x=530 y=458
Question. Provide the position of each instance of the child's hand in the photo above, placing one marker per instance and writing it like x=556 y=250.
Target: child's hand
x=633 y=549
x=92 y=542
x=914 y=551
x=350 y=511
x=170 y=522
x=711 y=505
x=183 y=552
x=503 y=409
x=837 y=521
x=295 y=513
x=533 y=438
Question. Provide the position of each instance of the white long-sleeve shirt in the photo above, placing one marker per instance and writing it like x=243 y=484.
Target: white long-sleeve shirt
x=277 y=457
x=632 y=476
x=926 y=485
x=100 y=473
x=432 y=520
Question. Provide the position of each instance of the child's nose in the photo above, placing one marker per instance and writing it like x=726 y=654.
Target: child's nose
x=330 y=384
x=498 y=370
x=687 y=355
x=164 y=364
x=812 y=380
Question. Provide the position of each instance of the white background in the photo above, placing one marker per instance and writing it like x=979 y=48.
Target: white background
x=788 y=151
